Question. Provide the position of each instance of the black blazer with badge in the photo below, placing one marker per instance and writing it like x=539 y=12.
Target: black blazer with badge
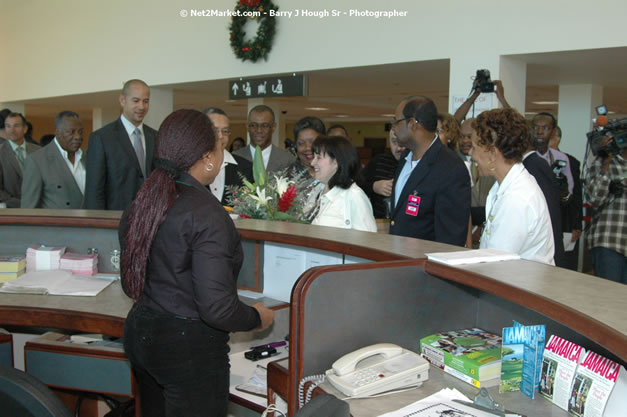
x=113 y=172
x=442 y=182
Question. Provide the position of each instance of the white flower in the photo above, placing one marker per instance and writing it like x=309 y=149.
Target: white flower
x=260 y=198
x=282 y=184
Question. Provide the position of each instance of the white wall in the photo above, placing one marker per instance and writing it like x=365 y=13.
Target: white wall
x=82 y=46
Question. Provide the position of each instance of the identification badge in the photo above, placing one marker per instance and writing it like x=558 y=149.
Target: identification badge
x=413 y=204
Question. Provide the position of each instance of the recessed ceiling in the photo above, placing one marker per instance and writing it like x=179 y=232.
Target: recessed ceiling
x=366 y=93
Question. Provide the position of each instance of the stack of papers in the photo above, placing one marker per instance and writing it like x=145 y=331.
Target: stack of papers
x=56 y=283
x=79 y=264
x=11 y=267
x=472 y=256
x=447 y=402
x=43 y=258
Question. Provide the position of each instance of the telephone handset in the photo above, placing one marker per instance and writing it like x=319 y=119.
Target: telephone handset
x=377 y=368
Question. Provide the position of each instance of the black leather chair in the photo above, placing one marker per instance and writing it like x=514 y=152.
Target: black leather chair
x=23 y=395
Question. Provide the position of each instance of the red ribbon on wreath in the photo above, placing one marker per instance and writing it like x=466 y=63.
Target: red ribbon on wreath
x=250 y=3
x=246 y=49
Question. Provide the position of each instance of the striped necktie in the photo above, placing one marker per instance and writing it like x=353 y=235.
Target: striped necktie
x=19 y=155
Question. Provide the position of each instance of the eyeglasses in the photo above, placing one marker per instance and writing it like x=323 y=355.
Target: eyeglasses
x=262 y=126
x=225 y=131
x=394 y=122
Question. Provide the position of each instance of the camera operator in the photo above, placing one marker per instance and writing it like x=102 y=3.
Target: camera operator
x=482 y=87
x=604 y=189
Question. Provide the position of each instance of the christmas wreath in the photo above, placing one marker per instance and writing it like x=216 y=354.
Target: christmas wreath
x=261 y=44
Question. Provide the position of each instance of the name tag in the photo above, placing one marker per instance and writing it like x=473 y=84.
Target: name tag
x=413 y=204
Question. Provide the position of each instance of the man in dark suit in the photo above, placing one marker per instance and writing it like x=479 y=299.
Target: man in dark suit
x=54 y=176
x=261 y=126
x=13 y=153
x=431 y=190
x=572 y=212
x=232 y=165
x=120 y=154
x=545 y=178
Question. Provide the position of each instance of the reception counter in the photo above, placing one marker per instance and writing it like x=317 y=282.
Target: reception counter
x=379 y=288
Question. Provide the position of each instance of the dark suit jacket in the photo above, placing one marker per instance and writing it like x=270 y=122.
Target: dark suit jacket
x=545 y=178
x=442 y=182
x=48 y=182
x=572 y=212
x=113 y=172
x=11 y=174
x=231 y=176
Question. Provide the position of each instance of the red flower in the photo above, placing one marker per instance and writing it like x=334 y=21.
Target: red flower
x=243 y=216
x=287 y=199
x=245 y=49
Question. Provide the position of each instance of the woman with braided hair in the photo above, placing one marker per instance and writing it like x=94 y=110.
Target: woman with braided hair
x=181 y=256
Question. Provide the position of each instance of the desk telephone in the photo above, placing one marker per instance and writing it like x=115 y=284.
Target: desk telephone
x=377 y=368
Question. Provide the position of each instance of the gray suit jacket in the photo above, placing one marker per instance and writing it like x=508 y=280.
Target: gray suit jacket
x=48 y=182
x=279 y=158
x=113 y=172
x=11 y=174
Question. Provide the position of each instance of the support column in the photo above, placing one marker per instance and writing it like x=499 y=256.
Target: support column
x=511 y=72
x=278 y=137
x=101 y=116
x=574 y=116
x=161 y=105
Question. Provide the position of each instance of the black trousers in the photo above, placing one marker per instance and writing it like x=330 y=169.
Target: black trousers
x=181 y=365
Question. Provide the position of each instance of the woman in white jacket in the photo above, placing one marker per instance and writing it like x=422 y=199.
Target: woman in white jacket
x=341 y=203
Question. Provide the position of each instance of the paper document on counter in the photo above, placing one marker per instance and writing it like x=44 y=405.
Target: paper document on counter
x=55 y=282
x=440 y=404
x=472 y=256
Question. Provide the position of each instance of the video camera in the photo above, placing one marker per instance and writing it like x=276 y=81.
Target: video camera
x=562 y=181
x=617 y=129
x=483 y=82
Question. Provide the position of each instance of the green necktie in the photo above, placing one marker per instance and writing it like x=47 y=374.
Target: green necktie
x=19 y=152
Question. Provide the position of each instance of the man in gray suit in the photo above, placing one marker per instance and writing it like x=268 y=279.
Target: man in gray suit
x=54 y=176
x=120 y=154
x=261 y=126
x=13 y=152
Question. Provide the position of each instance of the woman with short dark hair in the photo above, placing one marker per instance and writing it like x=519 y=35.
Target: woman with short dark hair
x=517 y=217
x=181 y=256
x=342 y=203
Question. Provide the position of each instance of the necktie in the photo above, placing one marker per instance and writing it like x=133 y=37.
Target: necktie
x=139 y=150
x=19 y=154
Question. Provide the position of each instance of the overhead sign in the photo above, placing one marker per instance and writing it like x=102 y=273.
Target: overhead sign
x=267 y=87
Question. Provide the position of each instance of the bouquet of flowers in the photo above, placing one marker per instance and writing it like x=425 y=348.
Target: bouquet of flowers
x=275 y=198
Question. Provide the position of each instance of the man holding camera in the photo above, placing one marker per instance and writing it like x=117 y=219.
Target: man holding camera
x=607 y=237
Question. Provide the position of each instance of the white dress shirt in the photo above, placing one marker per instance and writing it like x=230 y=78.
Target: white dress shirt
x=77 y=169
x=217 y=186
x=130 y=128
x=517 y=218
x=265 y=154
x=346 y=208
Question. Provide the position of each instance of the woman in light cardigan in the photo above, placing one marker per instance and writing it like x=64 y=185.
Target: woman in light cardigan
x=341 y=203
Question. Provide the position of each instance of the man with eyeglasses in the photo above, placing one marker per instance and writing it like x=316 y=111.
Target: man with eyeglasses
x=232 y=165
x=261 y=126
x=431 y=190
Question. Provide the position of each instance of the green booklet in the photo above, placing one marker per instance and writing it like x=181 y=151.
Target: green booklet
x=472 y=355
